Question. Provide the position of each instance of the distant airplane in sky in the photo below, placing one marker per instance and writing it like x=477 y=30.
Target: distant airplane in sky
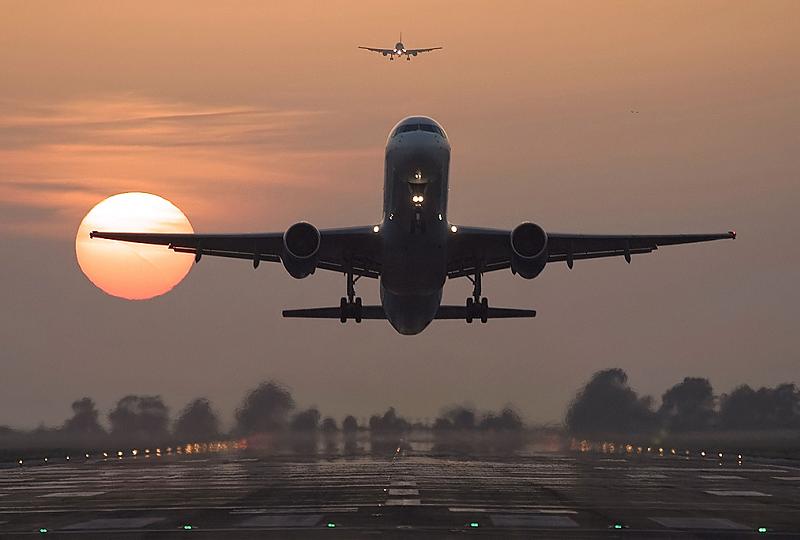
x=400 y=50
x=414 y=249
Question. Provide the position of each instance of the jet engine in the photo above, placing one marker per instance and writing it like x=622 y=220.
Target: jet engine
x=300 y=249
x=528 y=250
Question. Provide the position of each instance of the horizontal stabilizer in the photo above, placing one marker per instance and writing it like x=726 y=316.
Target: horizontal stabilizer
x=460 y=312
x=376 y=312
x=367 y=312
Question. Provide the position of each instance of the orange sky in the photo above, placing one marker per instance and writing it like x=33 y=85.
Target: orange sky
x=253 y=115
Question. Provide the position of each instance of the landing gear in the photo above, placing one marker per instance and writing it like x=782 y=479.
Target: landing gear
x=350 y=305
x=477 y=306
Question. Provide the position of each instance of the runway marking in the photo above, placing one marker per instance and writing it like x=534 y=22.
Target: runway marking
x=114 y=523
x=697 y=523
x=647 y=476
x=785 y=478
x=399 y=483
x=278 y=510
x=532 y=521
x=720 y=477
x=403 y=502
x=73 y=494
x=283 y=521
x=402 y=492
x=736 y=493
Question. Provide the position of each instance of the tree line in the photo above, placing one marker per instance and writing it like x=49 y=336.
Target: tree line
x=607 y=404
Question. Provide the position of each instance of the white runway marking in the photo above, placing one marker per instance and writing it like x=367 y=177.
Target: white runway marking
x=647 y=476
x=720 y=477
x=403 y=484
x=785 y=478
x=282 y=521
x=403 y=502
x=736 y=493
x=114 y=523
x=73 y=494
x=532 y=521
x=403 y=492
x=697 y=523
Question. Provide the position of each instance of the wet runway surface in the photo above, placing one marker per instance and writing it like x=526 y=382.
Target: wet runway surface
x=408 y=494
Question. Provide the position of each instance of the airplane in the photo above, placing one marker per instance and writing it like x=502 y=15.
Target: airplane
x=400 y=50
x=414 y=249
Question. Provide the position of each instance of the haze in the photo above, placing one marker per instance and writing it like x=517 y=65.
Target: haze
x=649 y=117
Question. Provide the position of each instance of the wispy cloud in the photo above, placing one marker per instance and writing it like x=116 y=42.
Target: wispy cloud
x=64 y=158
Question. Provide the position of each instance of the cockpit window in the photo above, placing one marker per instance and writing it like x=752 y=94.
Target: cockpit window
x=430 y=128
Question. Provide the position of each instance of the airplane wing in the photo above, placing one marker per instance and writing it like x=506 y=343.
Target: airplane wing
x=384 y=52
x=356 y=246
x=490 y=249
x=414 y=52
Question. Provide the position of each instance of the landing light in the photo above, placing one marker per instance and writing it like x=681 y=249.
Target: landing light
x=376 y=229
x=453 y=228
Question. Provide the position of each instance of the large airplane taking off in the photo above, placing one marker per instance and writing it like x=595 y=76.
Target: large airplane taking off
x=400 y=50
x=414 y=249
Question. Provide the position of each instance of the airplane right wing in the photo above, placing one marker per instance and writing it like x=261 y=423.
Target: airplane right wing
x=356 y=247
x=384 y=52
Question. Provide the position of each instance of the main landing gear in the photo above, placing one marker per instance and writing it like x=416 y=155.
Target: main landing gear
x=477 y=306
x=350 y=306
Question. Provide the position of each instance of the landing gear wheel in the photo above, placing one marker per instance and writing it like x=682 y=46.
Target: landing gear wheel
x=357 y=309
x=484 y=310
x=470 y=308
x=343 y=310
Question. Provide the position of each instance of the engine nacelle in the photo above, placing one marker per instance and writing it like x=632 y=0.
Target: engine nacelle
x=528 y=250
x=301 y=249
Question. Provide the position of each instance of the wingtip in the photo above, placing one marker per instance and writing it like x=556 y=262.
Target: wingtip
x=732 y=234
x=91 y=234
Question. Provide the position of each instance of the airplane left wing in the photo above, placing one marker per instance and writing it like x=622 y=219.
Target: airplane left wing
x=356 y=247
x=414 y=52
x=473 y=248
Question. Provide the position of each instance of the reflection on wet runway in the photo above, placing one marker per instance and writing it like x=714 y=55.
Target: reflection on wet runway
x=406 y=489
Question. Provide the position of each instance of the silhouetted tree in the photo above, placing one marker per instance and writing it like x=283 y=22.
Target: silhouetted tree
x=139 y=417
x=765 y=408
x=388 y=423
x=84 y=421
x=307 y=420
x=329 y=425
x=688 y=406
x=264 y=409
x=197 y=422
x=507 y=420
x=608 y=405
x=350 y=424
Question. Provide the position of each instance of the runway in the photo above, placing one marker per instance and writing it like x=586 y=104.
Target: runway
x=410 y=493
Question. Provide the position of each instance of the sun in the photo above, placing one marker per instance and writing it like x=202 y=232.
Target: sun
x=126 y=270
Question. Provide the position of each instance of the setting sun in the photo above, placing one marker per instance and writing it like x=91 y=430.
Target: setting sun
x=126 y=270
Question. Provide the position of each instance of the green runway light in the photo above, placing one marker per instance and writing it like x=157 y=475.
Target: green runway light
x=187 y=527
x=762 y=530
x=617 y=525
x=331 y=525
x=42 y=530
x=474 y=524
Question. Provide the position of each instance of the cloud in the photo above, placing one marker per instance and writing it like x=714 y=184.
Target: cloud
x=64 y=158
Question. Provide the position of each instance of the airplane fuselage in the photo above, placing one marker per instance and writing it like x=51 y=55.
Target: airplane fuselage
x=414 y=227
